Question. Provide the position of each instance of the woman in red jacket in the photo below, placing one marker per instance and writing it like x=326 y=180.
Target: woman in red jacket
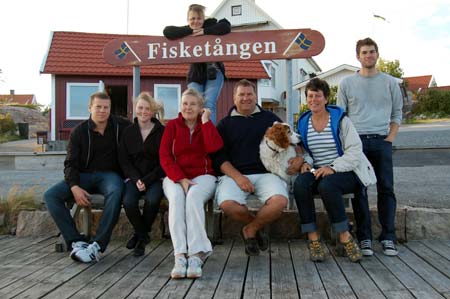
x=184 y=154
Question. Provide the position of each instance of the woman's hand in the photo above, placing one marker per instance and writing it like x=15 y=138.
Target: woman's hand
x=197 y=32
x=186 y=184
x=206 y=114
x=323 y=172
x=140 y=185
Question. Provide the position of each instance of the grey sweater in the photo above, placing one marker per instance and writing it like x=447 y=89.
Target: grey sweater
x=372 y=103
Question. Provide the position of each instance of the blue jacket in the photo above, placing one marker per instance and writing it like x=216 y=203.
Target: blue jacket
x=336 y=115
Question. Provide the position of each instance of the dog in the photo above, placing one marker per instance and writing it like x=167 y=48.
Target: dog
x=277 y=147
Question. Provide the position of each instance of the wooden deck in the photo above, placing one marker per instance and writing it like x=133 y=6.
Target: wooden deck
x=29 y=268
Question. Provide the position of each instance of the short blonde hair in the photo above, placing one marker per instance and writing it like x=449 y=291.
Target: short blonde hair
x=196 y=94
x=155 y=106
x=197 y=8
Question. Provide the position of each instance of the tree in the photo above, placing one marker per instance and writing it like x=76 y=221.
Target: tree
x=390 y=67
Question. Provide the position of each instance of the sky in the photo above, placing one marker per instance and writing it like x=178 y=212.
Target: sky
x=416 y=32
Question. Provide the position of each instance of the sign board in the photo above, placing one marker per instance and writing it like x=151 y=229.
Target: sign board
x=248 y=45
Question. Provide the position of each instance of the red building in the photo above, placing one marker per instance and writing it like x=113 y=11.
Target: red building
x=75 y=61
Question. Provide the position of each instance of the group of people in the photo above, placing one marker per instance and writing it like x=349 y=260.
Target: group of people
x=190 y=160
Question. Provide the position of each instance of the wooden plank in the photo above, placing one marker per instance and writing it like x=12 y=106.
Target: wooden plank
x=388 y=284
x=76 y=283
x=434 y=277
x=440 y=246
x=308 y=280
x=359 y=280
x=21 y=244
x=415 y=284
x=232 y=282
x=333 y=280
x=137 y=275
x=153 y=283
x=257 y=282
x=205 y=287
x=23 y=283
x=29 y=253
x=54 y=281
x=433 y=258
x=97 y=286
x=283 y=277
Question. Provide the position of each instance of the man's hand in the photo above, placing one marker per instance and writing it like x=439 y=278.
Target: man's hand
x=186 y=184
x=294 y=165
x=245 y=184
x=81 y=196
x=305 y=168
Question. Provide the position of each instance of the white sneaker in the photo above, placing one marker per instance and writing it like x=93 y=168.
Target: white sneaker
x=179 y=269
x=194 y=269
x=89 y=254
x=77 y=246
x=366 y=247
x=389 y=248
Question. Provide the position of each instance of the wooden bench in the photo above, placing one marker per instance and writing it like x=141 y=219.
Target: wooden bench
x=97 y=201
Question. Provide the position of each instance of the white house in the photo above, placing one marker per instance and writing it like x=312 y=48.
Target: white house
x=245 y=15
x=333 y=78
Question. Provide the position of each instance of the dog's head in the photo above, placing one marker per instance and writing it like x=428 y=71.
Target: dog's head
x=281 y=135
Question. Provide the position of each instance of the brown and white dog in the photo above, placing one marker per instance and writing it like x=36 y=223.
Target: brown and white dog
x=277 y=147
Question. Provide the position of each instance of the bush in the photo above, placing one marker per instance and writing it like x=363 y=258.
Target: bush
x=15 y=202
x=7 y=124
x=433 y=103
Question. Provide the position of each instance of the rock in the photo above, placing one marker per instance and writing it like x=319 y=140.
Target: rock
x=35 y=223
x=423 y=223
x=36 y=121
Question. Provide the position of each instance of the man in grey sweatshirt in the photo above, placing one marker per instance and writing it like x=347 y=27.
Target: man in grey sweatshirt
x=373 y=101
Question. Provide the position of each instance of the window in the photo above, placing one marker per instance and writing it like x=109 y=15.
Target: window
x=77 y=99
x=170 y=96
x=236 y=10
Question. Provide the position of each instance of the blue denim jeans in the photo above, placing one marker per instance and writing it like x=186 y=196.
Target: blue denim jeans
x=109 y=184
x=211 y=90
x=330 y=189
x=379 y=153
x=142 y=223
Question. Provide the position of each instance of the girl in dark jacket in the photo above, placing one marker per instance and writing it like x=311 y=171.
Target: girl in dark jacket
x=139 y=159
x=206 y=78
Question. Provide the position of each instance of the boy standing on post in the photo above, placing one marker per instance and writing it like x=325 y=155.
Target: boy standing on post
x=373 y=101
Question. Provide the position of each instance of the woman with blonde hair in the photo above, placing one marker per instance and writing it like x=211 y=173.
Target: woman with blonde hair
x=185 y=152
x=139 y=159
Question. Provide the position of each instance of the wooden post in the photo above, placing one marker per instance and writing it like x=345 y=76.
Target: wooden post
x=289 y=97
x=136 y=84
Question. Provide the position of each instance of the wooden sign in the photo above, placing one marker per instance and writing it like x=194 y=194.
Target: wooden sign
x=248 y=45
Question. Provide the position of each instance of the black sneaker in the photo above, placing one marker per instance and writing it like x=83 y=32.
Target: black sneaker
x=139 y=250
x=389 y=248
x=132 y=242
x=366 y=247
x=263 y=240
x=251 y=245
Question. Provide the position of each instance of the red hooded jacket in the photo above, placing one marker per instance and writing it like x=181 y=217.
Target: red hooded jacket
x=183 y=155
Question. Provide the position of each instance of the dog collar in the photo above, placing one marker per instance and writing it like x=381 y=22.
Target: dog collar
x=274 y=150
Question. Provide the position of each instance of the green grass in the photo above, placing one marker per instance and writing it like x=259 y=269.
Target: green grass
x=412 y=121
x=8 y=138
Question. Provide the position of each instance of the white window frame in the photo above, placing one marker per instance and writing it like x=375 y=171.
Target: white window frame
x=69 y=85
x=236 y=10
x=177 y=86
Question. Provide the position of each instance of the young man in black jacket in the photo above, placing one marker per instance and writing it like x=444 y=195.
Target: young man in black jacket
x=91 y=166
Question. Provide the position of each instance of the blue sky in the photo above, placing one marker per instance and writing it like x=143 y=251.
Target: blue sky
x=417 y=32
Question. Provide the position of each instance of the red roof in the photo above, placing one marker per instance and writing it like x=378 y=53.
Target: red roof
x=21 y=99
x=419 y=82
x=440 y=88
x=79 y=53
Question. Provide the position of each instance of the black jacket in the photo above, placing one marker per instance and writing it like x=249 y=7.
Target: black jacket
x=140 y=159
x=79 y=149
x=197 y=71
